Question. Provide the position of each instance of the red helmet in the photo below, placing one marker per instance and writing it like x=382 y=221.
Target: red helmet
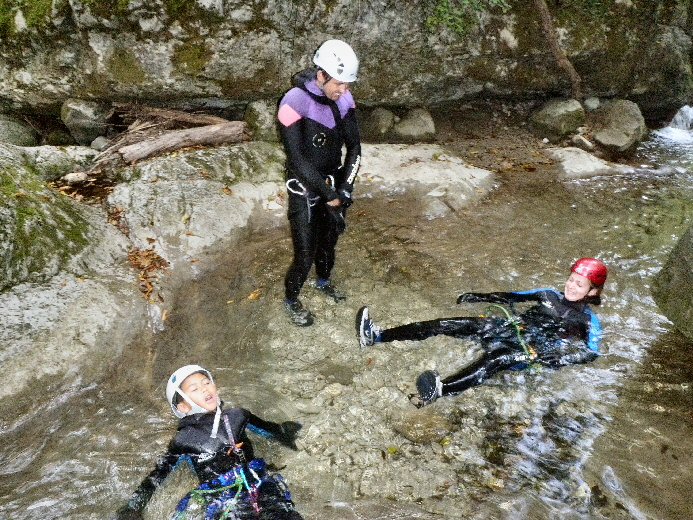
x=592 y=269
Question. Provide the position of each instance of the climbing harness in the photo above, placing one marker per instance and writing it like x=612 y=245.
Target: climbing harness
x=297 y=188
x=515 y=322
x=224 y=496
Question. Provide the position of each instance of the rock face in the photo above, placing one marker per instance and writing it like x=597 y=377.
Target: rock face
x=14 y=131
x=673 y=286
x=40 y=230
x=237 y=52
x=86 y=120
x=65 y=279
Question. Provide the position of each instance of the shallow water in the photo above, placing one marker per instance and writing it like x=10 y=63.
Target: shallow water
x=533 y=444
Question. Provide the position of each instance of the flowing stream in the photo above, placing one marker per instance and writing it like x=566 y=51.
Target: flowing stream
x=587 y=441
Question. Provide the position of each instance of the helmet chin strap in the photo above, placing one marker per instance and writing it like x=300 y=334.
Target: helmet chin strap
x=196 y=408
x=215 y=428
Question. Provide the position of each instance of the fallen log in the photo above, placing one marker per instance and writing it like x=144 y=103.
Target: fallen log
x=224 y=133
x=167 y=114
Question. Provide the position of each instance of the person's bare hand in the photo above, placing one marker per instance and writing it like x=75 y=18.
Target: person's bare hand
x=335 y=203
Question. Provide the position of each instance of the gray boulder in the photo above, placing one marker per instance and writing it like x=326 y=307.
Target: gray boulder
x=619 y=127
x=40 y=230
x=17 y=132
x=673 y=286
x=376 y=125
x=86 y=120
x=575 y=163
x=415 y=127
x=557 y=119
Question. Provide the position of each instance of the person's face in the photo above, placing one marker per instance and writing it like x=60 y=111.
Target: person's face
x=332 y=88
x=578 y=287
x=201 y=391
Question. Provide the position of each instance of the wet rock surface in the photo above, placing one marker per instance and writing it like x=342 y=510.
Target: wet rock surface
x=516 y=443
x=673 y=285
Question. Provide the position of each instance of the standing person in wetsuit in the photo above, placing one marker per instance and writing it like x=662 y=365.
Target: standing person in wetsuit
x=316 y=118
x=214 y=441
x=560 y=329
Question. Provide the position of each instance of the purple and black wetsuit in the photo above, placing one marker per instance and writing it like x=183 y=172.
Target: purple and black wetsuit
x=314 y=129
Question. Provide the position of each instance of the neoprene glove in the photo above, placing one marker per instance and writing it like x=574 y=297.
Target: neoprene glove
x=345 y=198
x=470 y=297
x=287 y=436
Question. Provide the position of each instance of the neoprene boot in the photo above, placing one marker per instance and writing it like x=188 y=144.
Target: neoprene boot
x=298 y=314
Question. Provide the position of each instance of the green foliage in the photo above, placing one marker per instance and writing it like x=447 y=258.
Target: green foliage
x=459 y=15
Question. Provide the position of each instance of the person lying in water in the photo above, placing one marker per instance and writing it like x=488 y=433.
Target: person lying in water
x=214 y=441
x=560 y=329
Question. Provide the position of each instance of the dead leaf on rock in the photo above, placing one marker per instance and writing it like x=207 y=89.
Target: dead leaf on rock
x=149 y=263
x=255 y=295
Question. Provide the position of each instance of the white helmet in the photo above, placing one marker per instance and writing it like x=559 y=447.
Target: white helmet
x=173 y=388
x=338 y=59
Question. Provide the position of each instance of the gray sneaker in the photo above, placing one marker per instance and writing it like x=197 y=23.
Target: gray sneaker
x=298 y=314
x=366 y=330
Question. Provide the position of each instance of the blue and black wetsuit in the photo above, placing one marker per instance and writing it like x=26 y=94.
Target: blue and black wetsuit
x=559 y=331
x=212 y=457
x=314 y=129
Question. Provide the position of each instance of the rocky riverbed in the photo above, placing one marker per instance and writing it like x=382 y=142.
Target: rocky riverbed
x=516 y=445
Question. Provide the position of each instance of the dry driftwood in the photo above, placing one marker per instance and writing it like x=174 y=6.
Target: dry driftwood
x=166 y=114
x=210 y=135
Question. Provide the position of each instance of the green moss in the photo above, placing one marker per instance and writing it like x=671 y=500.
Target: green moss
x=43 y=229
x=187 y=10
x=6 y=18
x=459 y=16
x=107 y=8
x=37 y=12
x=191 y=57
x=125 y=68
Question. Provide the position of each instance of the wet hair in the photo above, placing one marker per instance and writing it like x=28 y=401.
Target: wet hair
x=324 y=72
x=300 y=78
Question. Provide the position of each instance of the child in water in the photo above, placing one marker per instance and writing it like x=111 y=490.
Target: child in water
x=560 y=329
x=234 y=483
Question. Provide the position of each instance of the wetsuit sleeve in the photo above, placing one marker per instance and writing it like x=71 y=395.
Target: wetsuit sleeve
x=575 y=355
x=583 y=351
x=140 y=498
x=284 y=433
x=307 y=174
x=352 y=160
x=501 y=297
x=594 y=332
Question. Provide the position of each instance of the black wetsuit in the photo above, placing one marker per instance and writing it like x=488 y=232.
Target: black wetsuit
x=314 y=129
x=560 y=332
x=211 y=457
